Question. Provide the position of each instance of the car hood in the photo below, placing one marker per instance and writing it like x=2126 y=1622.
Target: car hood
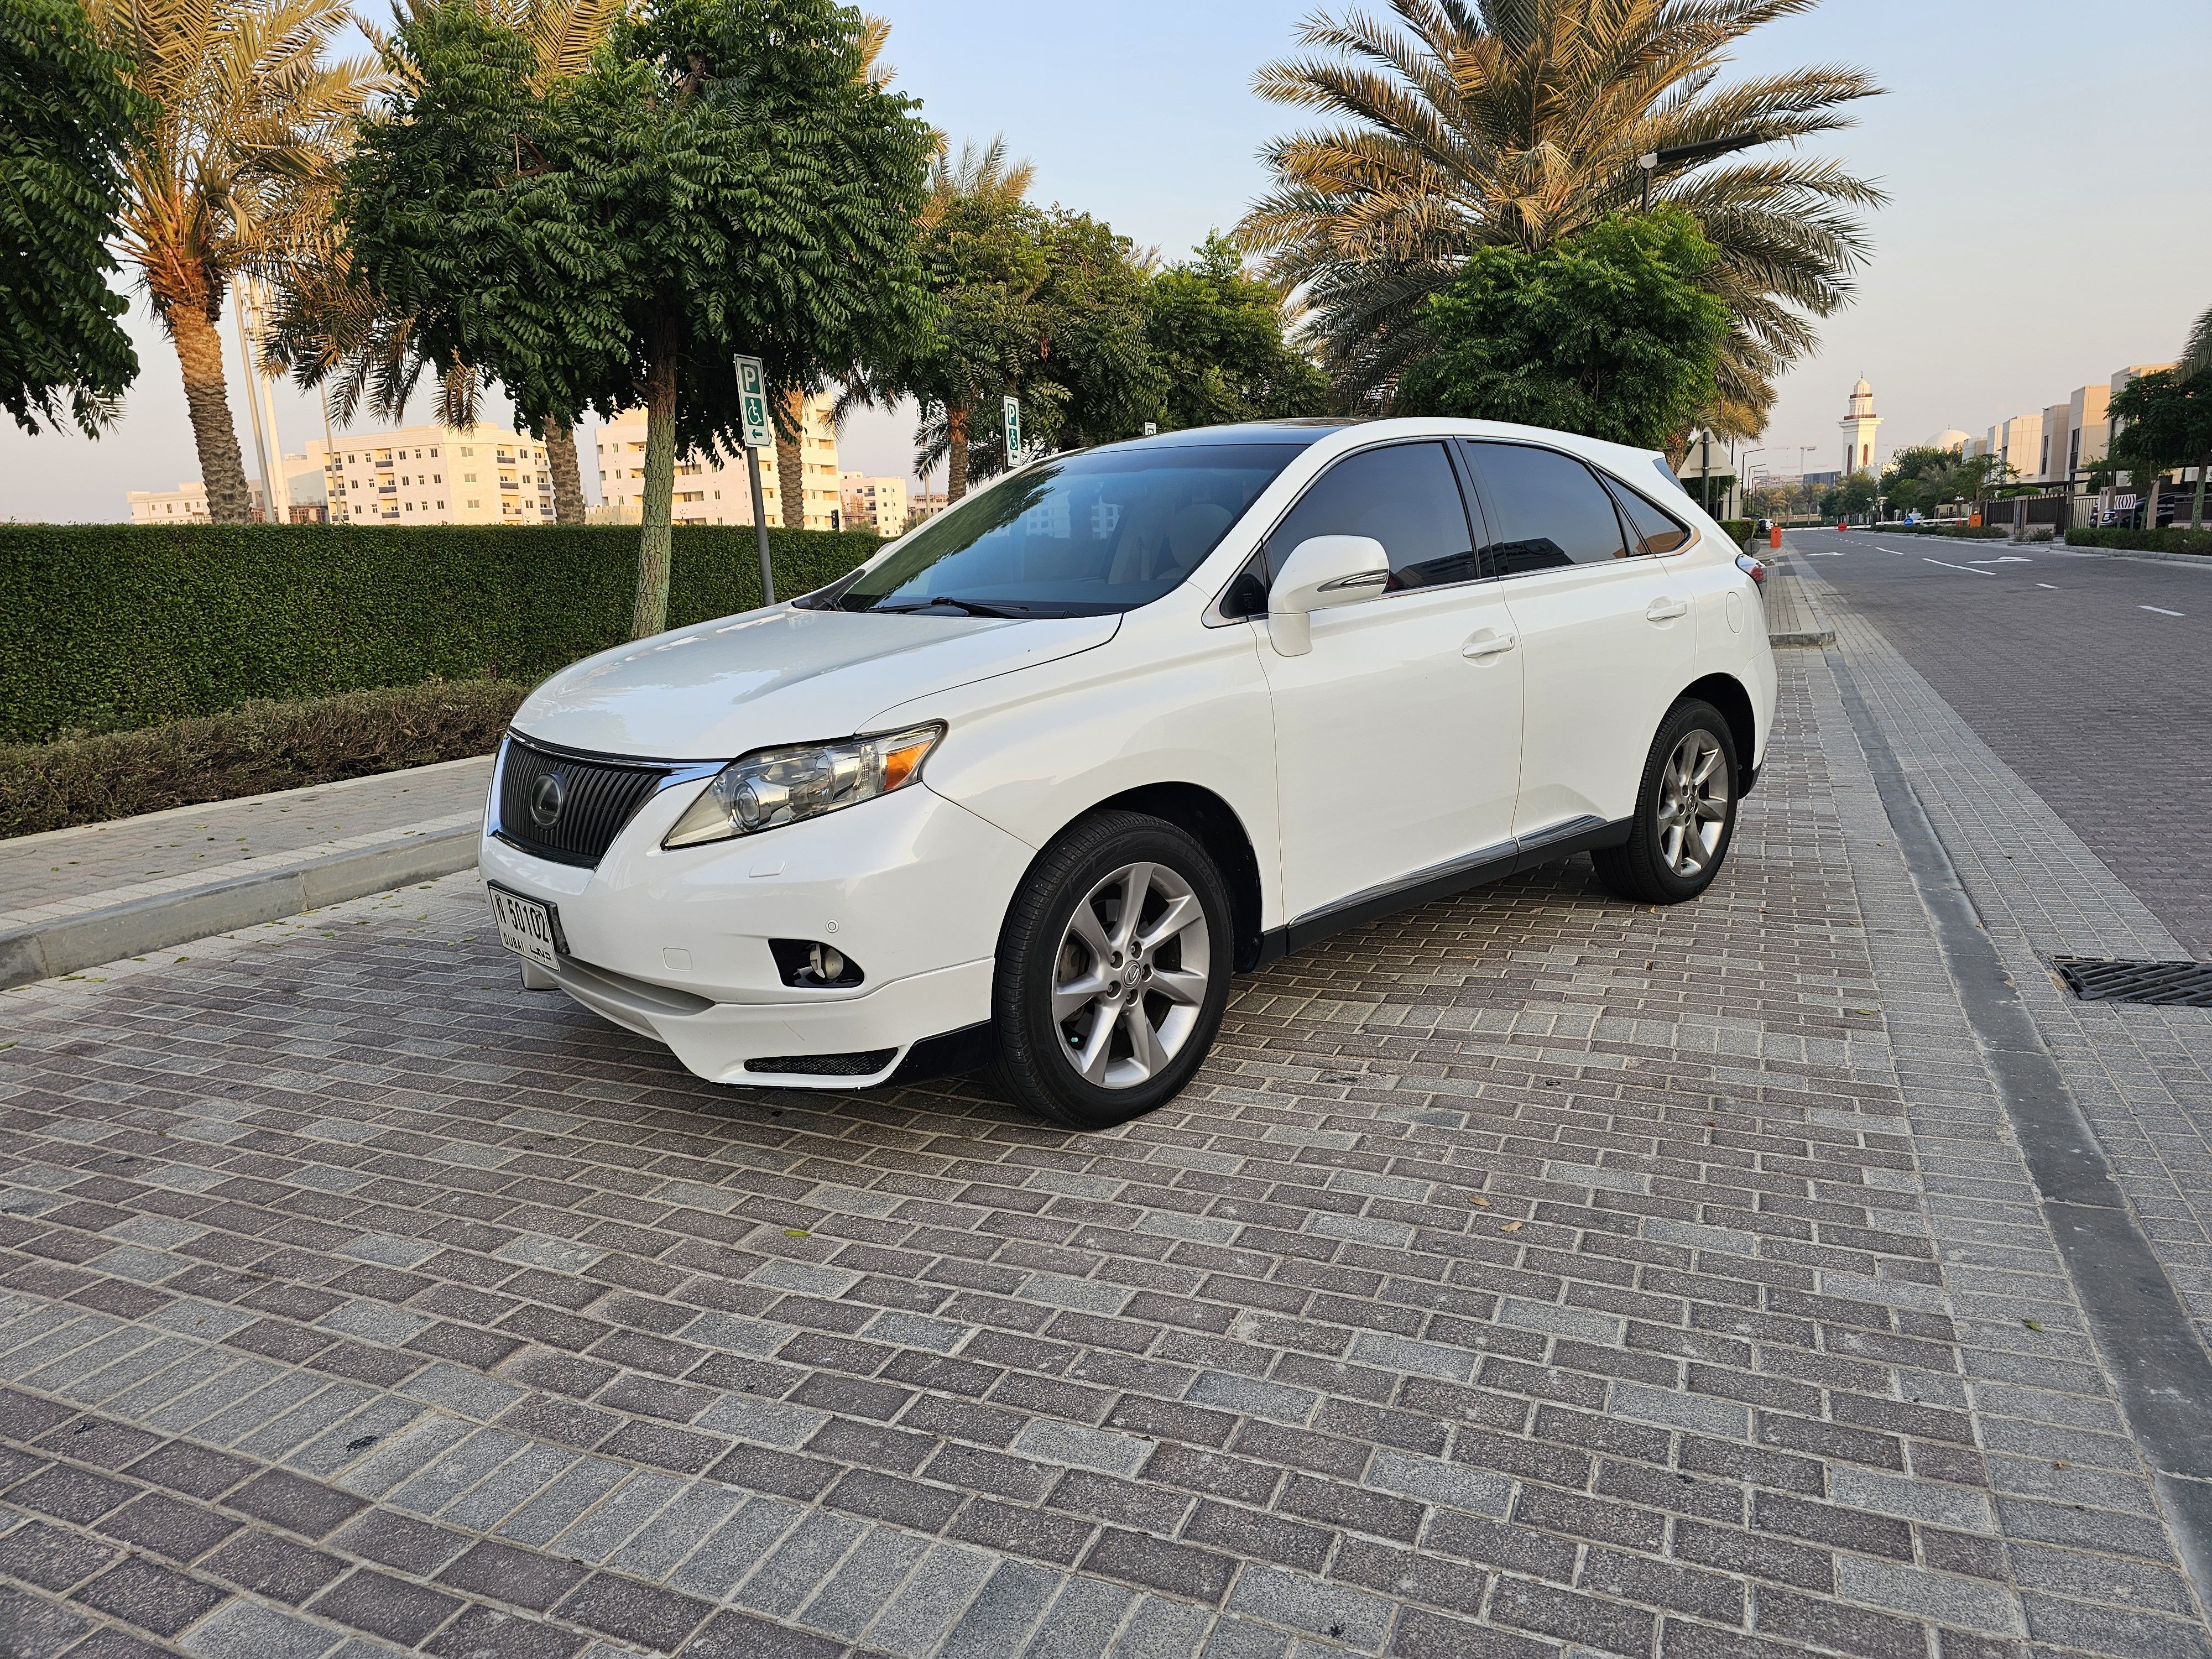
x=782 y=675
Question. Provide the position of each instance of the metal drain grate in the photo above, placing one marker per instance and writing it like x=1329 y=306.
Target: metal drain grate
x=2174 y=984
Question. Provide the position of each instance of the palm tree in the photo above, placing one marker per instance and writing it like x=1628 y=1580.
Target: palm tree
x=328 y=330
x=234 y=175
x=2196 y=353
x=1522 y=121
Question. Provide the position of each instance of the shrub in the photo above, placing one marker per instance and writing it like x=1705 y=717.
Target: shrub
x=249 y=750
x=1739 y=530
x=108 y=627
x=1961 y=531
x=2144 y=541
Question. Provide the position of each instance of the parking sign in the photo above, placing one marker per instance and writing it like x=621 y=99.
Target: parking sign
x=1011 y=408
x=752 y=402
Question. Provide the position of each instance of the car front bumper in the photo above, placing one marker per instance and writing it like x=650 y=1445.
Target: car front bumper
x=674 y=946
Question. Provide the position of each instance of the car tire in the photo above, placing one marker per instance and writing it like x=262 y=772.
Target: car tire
x=1692 y=765
x=1063 y=1001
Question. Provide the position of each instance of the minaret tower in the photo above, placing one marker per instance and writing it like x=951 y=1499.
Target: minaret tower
x=1859 y=429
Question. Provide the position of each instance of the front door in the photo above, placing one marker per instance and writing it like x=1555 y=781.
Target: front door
x=1607 y=634
x=1398 y=737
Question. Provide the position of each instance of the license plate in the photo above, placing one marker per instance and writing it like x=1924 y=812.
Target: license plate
x=525 y=927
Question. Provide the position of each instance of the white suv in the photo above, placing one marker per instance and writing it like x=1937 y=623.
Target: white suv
x=1038 y=778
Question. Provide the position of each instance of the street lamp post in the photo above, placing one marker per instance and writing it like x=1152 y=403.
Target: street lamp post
x=1678 y=155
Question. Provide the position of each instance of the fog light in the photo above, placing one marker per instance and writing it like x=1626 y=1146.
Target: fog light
x=811 y=965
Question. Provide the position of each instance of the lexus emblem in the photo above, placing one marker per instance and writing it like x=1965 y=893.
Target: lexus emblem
x=547 y=797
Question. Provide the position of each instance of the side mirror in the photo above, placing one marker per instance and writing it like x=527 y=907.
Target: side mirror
x=1323 y=572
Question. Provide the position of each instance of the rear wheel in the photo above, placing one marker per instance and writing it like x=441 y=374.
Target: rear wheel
x=1113 y=971
x=1684 y=811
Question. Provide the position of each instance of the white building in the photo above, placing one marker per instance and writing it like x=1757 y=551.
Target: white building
x=187 y=503
x=2018 y=442
x=717 y=490
x=1859 y=428
x=436 y=475
x=876 y=504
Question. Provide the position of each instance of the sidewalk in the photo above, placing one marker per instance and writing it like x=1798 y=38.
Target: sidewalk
x=79 y=896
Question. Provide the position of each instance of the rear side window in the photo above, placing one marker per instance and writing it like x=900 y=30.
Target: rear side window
x=1405 y=497
x=1662 y=532
x=1545 y=510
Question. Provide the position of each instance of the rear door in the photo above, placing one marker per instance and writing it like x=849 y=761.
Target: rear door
x=1606 y=641
x=1398 y=737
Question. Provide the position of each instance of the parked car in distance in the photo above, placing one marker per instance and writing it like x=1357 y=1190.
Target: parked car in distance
x=1040 y=777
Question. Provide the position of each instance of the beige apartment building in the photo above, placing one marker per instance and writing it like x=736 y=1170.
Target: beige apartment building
x=922 y=504
x=876 y=504
x=717 y=490
x=436 y=475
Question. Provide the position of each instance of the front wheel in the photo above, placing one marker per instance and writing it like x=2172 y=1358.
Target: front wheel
x=1684 y=811
x=1113 y=971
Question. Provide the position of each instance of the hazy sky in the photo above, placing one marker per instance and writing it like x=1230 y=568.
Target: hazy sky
x=2051 y=217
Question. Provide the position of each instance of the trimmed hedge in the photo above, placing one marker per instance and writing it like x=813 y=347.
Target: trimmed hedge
x=107 y=626
x=1738 y=530
x=249 y=750
x=2144 y=541
x=1977 y=533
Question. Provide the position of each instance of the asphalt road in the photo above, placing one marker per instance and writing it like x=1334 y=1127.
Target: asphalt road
x=2091 y=676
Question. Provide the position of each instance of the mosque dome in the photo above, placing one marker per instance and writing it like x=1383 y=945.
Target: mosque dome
x=1951 y=438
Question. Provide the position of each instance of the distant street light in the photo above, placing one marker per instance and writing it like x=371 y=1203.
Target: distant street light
x=1678 y=154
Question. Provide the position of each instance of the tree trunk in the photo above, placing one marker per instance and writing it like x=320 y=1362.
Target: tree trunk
x=2196 y=507
x=567 y=476
x=791 y=463
x=650 y=615
x=207 y=398
x=956 y=455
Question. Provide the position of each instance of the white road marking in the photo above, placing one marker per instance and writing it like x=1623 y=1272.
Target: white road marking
x=1968 y=569
x=2053 y=586
x=2161 y=610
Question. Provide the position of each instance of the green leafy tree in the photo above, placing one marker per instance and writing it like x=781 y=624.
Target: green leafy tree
x=1608 y=332
x=2161 y=420
x=724 y=177
x=1855 y=494
x=328 y=330
x=1921 y=478
x=1216 y=332
x=1522 y=122
x=67 y=124
x=985 y=263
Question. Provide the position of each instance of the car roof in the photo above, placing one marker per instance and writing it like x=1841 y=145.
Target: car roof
x=1300 y=431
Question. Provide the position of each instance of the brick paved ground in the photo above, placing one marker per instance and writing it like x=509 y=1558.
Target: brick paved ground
x=1537 y=1275
x=2143 y=1075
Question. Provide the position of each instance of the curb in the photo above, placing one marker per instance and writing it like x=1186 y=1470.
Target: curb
x=1813 y=638
x=2202 y=560
x=85 y=940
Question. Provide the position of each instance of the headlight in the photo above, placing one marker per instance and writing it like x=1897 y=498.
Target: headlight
x=782 y=786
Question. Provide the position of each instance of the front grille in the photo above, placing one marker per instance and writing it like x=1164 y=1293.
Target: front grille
x=861 y=1065
x=2172 y=984
x=568 y=808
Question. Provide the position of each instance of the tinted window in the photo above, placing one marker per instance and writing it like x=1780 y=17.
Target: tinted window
x=1661 y=531
x=1545 y=510
x=1081 y=535
x=1405 y=497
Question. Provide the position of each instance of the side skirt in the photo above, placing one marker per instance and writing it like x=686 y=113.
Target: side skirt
x=1492 y=864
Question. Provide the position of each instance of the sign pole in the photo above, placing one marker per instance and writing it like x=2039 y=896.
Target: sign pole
x=752 y=405
x=760 y=524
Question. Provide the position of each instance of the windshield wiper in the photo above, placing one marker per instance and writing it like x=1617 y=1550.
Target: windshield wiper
x=966 y=607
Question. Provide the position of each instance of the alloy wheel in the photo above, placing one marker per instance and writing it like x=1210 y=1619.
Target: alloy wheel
x=1693 y=804
x=1130 y=975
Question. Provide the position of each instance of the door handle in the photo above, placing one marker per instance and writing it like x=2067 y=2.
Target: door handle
x=1487 y=644
x=1666 y=609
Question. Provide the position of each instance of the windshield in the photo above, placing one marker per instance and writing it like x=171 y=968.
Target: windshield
x=1075 y=536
